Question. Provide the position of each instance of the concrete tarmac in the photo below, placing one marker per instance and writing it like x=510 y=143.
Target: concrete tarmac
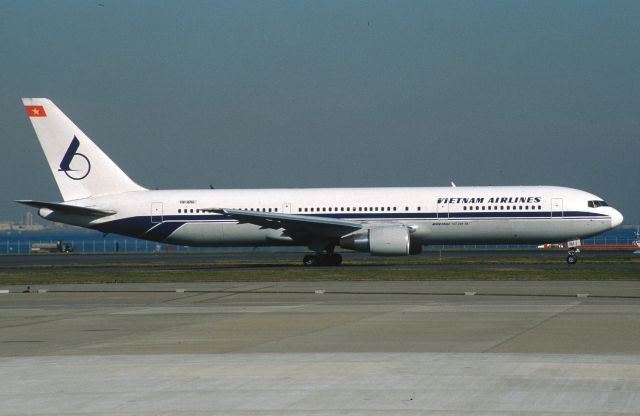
x=503 y=348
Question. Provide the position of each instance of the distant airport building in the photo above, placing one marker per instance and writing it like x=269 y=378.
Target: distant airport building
x=27 y=224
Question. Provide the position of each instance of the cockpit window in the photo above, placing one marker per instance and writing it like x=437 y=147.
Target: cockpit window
x=596 y=204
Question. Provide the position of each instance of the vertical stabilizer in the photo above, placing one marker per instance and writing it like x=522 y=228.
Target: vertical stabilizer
x=79 y=167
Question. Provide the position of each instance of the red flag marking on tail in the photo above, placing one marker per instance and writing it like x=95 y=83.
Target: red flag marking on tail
x=35 y=110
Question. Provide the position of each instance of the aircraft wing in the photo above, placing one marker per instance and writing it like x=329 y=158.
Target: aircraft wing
x=67 y=209
x=295 y=225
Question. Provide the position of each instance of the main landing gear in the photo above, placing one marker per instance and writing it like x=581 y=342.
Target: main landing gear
x=325 y=255
x=323 y=259
x=572 y=256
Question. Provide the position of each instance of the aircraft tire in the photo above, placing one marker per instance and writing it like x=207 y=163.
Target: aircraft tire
x=310 y=260
x=332 y=259
x=572 y=259
x=322 y=260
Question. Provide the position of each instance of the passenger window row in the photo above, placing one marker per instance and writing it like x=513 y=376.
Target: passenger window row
x=199 y=211
x=592 y=204
x=502 y=208
x=385 y=209
x=350 y=209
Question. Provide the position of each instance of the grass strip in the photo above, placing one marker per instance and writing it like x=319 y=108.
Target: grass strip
x=166 y=262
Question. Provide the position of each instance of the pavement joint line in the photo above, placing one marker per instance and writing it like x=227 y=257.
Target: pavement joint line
x=234 y=287
x=544 y=321
x=54 y=318
x=251 y=290
x=227 y=295
x=178 y=298
x=316 y=330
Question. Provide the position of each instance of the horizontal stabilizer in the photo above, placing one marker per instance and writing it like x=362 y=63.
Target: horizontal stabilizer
x=67 y=209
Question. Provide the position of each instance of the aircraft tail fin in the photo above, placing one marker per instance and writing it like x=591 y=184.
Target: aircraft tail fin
x=81 y=169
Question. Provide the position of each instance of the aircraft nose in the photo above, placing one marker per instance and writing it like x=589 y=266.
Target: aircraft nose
x=616 y=218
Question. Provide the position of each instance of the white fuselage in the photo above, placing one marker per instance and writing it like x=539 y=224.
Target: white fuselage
x=97 y=194
x=436 y=215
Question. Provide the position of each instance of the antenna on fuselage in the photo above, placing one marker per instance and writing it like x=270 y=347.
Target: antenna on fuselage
x=453 y=185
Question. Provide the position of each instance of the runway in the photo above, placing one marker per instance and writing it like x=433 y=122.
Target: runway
x=234 y=348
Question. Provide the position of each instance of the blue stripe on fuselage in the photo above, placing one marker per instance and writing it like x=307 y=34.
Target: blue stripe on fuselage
x=142 y=227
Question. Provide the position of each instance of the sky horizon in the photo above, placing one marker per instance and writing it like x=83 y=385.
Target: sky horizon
x=281 y=94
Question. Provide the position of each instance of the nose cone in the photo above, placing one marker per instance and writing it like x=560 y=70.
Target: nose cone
x=616 y=218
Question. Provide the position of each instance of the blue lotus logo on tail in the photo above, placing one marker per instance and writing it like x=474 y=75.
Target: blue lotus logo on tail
x=81 y=165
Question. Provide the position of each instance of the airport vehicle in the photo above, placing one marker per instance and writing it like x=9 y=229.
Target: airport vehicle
x=97 y=194
x=58 y=247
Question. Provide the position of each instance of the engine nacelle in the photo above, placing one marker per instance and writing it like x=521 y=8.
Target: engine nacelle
x=381 y=241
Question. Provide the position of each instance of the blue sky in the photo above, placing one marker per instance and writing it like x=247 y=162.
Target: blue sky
x=330 y=93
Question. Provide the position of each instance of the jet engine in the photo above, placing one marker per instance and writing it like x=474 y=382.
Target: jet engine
x=382 y=241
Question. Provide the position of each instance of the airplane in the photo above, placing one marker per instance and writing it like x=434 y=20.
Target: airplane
x=398 y=221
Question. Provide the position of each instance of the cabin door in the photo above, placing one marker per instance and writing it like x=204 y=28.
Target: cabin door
x=556 y=207
x=156 y=212
x=443 y=210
